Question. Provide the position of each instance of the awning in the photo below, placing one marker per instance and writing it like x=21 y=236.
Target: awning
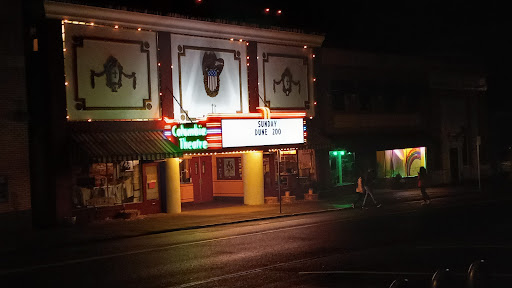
x=106 y=147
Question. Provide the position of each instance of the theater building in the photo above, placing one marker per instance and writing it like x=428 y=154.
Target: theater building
x=158 y=111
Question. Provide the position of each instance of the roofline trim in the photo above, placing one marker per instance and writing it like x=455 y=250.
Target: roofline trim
x=59 y=10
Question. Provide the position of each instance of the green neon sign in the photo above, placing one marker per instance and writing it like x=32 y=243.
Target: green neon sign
x=190 y=138
x=339 y=152
x=182 y=131
x=192 y=145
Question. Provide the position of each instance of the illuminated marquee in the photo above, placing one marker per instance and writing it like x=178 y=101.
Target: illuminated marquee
x=262 y=132
x=218 y=131
x=189 y=136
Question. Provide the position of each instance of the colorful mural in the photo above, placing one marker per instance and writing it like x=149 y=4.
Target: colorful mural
x=413 y=161
x=406 y=162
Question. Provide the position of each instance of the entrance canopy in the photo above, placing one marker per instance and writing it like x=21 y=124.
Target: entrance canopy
x=224 y=132
x=105 y=147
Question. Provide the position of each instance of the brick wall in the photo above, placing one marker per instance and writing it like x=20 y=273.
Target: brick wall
x=14 y=156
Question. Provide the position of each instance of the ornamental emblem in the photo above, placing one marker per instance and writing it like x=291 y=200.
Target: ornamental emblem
x=212 y=67
x=287 y=81
x=114 y=73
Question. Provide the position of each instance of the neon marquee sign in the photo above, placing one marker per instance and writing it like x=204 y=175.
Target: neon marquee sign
x=189 y=136
x=208 y=133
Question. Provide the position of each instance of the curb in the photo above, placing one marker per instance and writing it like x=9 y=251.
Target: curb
x=104 y=238
x=239 y=221
x=156 y=232
x=194 y=227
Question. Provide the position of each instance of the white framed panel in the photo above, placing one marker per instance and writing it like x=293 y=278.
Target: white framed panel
x=111 y=74
x=261 y=132
x=286 y=77
x=209 y=76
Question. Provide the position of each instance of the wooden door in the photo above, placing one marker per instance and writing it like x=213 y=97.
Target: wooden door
x=202 y=178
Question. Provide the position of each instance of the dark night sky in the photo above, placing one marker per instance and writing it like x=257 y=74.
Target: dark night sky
x=410 y=27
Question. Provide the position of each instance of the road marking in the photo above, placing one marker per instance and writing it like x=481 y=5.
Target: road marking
x=195 y=283
x=95 y=258
x=465 y=247
x=88 y=259
x=368 y=272
x=495 y=275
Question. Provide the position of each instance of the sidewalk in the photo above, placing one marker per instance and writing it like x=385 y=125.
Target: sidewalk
x=210 y=214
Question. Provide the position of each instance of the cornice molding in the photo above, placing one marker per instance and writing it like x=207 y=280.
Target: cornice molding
x=74 y=12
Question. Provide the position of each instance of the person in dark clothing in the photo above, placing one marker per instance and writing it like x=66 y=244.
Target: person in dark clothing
x=369 y=184
x=422 y=183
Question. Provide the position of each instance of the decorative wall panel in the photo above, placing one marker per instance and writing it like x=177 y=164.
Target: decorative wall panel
x=111 y=73
x=285 y=77
x=209 y=76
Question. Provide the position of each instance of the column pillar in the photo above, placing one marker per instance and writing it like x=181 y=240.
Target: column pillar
x=172 y=185
x=252 y=175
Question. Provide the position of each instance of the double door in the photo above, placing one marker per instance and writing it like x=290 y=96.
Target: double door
x=202 y=179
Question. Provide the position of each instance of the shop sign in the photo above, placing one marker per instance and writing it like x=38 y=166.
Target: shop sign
x=262 y=132
x=189 y=136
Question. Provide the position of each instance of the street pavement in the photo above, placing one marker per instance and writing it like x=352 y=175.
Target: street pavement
x=225 y=212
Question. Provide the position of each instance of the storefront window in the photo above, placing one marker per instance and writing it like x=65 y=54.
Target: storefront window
x=404 y=162
x=307 y=171
x=289 y=162
x=306 y=159
x=109 y=184
x=185 y=171
x=342 y=167
x=289 y=170
x=296 y=171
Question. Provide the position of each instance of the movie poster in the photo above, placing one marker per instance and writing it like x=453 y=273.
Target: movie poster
x=229 y=168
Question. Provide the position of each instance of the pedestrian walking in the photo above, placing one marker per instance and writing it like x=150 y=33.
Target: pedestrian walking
x=369 y=184
x=422 y=183
x=359 y=191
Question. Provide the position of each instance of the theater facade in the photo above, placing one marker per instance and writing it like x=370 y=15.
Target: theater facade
x=163 y=111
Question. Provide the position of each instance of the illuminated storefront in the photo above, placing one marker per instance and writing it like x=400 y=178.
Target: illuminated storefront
x=213 y=149
x=213 y=154
x=181 y=113
x=404 y=162
x=119 y=169
x=342 y=167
